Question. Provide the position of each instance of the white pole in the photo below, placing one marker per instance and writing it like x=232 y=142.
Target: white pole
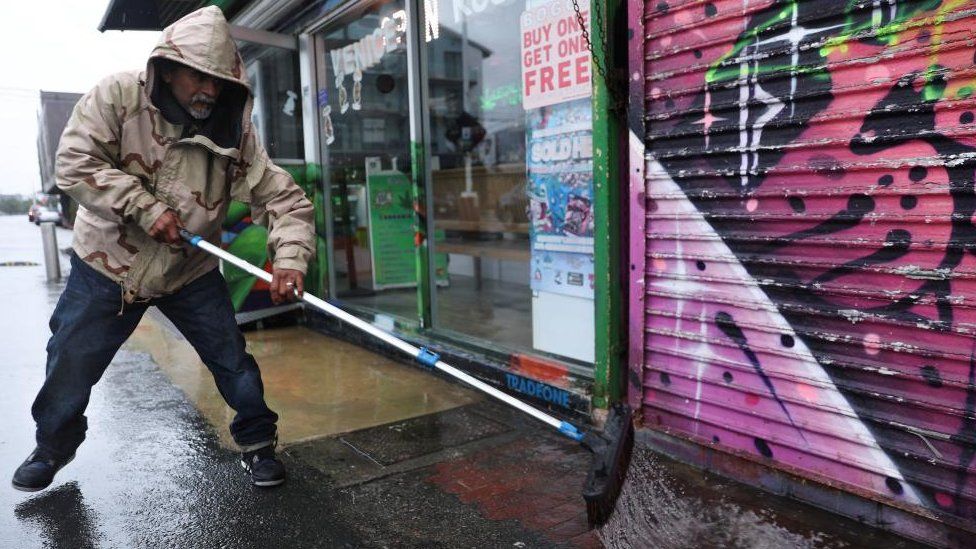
x=52 y=263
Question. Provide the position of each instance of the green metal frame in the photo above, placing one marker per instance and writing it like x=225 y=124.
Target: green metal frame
x=424 y=288
x=420 y=172
x=317 y=279
x=609 y=347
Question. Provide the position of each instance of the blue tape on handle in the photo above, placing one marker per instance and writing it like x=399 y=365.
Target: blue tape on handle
x=427 y=357
x=196 y=240
x=570 y=430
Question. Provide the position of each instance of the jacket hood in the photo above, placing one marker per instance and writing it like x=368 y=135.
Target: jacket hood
x=202 y=40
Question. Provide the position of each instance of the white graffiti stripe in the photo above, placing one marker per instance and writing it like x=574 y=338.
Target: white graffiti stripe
x=844 y=422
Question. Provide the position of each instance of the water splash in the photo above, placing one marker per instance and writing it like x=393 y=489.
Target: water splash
x=654 y=511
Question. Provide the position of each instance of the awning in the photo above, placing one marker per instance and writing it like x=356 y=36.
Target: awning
x=148 y=14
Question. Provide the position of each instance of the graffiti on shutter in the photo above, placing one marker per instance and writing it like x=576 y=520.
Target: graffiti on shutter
x=810 y=241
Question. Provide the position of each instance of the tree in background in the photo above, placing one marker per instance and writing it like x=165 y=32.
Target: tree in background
x=14 y=204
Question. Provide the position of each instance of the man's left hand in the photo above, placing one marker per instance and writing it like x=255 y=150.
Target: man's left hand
x=285 y=284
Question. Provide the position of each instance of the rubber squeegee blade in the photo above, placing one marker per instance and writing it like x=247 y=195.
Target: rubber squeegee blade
x=611 y=450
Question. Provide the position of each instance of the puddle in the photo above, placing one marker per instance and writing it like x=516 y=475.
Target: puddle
x=655 y=511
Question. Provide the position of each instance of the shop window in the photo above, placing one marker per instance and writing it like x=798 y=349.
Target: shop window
x=452 y=64
x=365 y=122
x=277 y=112
x=276 y=115
x=510 y=181
x=512 y=174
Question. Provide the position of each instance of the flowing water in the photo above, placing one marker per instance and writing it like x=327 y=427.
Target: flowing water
x=657 y=510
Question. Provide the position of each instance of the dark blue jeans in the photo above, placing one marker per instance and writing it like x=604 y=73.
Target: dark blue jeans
x=87 y=330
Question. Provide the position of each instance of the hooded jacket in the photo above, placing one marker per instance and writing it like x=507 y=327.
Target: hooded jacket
x=130 y=152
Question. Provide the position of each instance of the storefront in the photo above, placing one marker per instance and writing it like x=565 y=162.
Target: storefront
x=796 y=226
x=455 y=142
x=459 y=176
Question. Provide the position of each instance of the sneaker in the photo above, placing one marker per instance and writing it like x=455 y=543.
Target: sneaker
x=38 y=470
x=264 y=467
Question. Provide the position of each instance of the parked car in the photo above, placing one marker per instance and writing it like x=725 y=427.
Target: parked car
x=48 y=213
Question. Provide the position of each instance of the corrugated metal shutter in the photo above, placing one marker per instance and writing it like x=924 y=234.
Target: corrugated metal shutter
x=811 y=248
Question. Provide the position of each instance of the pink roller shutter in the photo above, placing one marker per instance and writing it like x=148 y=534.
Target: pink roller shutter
x=805 y=283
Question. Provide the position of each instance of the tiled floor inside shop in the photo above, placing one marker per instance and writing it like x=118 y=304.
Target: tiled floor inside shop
x=498 y=311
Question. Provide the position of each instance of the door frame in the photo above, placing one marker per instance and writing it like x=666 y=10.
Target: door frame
x=313 y=75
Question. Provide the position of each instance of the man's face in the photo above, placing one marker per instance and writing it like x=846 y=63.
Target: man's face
x=195 y=91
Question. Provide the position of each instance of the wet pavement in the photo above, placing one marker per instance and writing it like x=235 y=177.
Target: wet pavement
x=383 y=455
x=153 y=471
x=672 y=505
x=318 y=385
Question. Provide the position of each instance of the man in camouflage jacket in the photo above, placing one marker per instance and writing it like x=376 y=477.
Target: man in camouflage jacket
x=145 y=154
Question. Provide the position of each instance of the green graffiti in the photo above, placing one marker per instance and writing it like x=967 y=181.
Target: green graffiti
x=855 y=27
x=935 y=83
x=509 y=95
x=251 y=245
x=236 y=212
x=718 y=73
x=964 y=92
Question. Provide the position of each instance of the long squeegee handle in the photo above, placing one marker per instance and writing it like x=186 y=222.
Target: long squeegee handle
x=422 y=355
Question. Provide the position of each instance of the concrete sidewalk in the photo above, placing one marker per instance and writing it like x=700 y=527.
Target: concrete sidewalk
x=319 y=386
x=424 y=458
x=420 y=461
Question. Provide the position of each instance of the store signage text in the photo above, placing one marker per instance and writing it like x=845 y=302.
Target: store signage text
x=369 y=50
x=547 y=393
x=572 y=147
x=467 y=8
x=555 y=59
x=433 y=17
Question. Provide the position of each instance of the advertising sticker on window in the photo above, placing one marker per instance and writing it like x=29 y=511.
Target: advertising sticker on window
x=555 y=59
x=391 y=234
x=560 y=187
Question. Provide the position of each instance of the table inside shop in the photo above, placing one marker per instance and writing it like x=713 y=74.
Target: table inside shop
x=502 y=249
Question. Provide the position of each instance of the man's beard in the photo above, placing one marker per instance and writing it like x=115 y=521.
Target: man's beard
x=200 y=113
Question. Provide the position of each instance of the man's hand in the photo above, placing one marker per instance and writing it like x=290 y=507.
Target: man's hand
x=284 y=285
x=167 y=227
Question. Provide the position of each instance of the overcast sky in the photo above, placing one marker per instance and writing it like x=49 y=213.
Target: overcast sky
x=52 y=45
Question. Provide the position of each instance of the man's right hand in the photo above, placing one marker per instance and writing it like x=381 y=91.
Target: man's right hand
x=167 y=227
